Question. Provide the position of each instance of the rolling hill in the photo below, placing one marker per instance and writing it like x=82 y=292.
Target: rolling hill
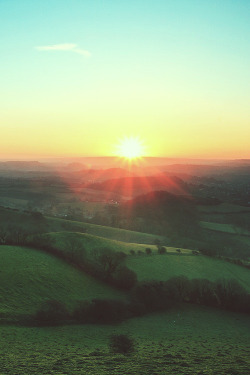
x=29 y=277
x=133 y=186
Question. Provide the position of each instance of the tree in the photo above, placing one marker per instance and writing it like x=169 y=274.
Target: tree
x=75 y=248
x=108 y=261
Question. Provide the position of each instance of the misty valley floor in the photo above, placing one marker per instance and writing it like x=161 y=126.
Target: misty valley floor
x=189 y=340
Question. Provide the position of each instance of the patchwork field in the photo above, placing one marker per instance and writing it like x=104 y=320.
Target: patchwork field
x=186 y=340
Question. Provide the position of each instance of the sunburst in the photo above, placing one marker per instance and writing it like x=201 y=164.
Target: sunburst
x=131 y=148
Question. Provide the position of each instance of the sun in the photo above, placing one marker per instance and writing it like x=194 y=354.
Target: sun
x=131 y=148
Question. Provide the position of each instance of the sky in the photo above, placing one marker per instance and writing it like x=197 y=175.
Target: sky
x=77 y=76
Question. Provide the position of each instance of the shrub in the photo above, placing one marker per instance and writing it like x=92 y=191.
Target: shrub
x=162 y=250
x=132 y=252
x=121 y=344
x=148 y=250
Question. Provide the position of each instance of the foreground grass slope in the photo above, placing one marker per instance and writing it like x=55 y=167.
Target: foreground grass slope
x=187 y=340
x=29 y=277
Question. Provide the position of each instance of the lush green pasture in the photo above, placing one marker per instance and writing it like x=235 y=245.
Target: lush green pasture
x=103 y=231
x=28 y=277
x=163 y=267
x=227 y=228
x=183 y=341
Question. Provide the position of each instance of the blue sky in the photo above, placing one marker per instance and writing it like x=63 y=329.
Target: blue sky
x=86 y=73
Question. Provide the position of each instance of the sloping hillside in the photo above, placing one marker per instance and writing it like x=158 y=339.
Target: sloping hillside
x=28 y=277
x=163 y=267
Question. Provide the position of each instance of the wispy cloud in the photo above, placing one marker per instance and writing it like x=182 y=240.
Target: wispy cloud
x=64 y=47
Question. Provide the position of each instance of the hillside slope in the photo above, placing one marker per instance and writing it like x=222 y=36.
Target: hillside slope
x=29 y=277
x=163 y=267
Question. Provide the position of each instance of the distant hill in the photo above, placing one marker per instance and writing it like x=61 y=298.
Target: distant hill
x=162 y=213
x=104 y=174
x=222 y=170
x=133 y=186
x=24 y=166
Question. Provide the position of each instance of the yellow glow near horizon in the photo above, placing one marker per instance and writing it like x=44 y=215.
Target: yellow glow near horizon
x=131 y=148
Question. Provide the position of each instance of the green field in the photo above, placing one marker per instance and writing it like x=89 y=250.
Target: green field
x=182 y=341
x=163 y=267
x=29 y=277
x=103 y=231
x=227 y=228
x=90 y=242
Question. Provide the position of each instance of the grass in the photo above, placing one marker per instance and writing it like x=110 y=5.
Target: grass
x=223 y=208
x=103 y=231
x=187 y=340
x=90 y=242
x=227 y=228
x=28 y=277
x=163 y=267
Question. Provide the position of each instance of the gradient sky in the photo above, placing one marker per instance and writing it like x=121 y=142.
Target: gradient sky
x=79 y=75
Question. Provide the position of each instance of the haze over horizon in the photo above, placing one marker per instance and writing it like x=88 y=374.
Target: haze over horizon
x=79 y=76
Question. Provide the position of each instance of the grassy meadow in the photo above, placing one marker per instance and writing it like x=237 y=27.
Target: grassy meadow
x=104 y=231
x=187 y=340
x=29 y=277
x=163 y=267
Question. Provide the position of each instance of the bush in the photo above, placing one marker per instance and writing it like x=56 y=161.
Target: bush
x=162 y=250
x=148 y=250
x=132 y=252
x=121 y=344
